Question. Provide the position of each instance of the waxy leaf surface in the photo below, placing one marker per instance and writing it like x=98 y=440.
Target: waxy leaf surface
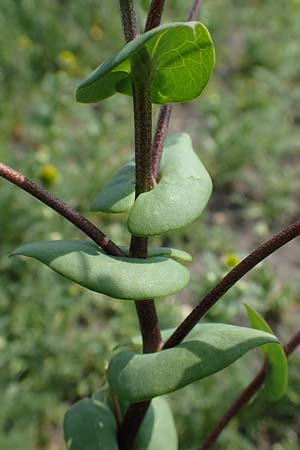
x=137 y=377
x=124 y=278
x=179 y=58
x=117 y=196
x=180 y=195
x=158 y=429
x=90 y=425
x=167 y=252
x=277 y=377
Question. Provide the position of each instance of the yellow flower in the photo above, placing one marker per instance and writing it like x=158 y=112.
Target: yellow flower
x=69 y=62
x=231 y=260
x=48 y=174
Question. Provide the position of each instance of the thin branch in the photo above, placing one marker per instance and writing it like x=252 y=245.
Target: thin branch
x=129 y=20
x=238 y=272
x=159 y=138
x=61 y=208
x=291 y=346
x=195 y=11
x=154 y=14
x=165 y=114
x=245 y=397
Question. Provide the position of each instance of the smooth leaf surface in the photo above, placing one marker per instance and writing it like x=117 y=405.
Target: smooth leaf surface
x=158 y=429
x=167 y=252
x=90 y=425
x=137 y=377
x=277 y=377
x=179 y=58
x=117 y=196
x=82 y=430
x=180 y=195
x=124 y=278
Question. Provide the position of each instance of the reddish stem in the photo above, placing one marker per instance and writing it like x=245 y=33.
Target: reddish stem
x=247 y=264
x=154 y=14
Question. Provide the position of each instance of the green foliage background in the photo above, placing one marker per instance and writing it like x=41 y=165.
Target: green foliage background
x=55 y=337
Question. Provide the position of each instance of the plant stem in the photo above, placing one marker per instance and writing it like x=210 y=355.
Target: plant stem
x=292 y=344
x=129 y=20
x=159 y=138
x=247 y=264
x=245 y=397
x=154 y=14
x=146 y=310
x=166 y=111
x=61 y=208
x=143 y=131
x=194 y=13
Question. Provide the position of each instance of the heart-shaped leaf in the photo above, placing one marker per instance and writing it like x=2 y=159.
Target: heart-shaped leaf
x=180 y=195
x=137 y=377
x=277 y=377
x=124 y=278
x=90 y=425
x=118 y=194
x=178 y=58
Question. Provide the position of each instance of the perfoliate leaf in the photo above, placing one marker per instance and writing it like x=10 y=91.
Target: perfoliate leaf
x=137 y=377
x=90 y=425
x=277 y=377
x=179 y=58
x=124 y=278
x=118 y=195
x=167 y=252
x=180 y=195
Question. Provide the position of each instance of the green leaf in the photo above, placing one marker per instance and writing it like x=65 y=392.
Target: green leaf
x=82 y=430
x=167 y=252
x=179 y=58
x=90 y=425
x=180 y=195
x=118 y=195
x=124 y=278
x=277 y=377
x=158 y=429
x=137 y=377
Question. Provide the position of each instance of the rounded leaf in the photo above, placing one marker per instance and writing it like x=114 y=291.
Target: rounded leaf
x=179 y=59
x=137 y=377
x=90 y=425
x=118 y=195
x=124 y=278
x=180 y=195
x=277 y=377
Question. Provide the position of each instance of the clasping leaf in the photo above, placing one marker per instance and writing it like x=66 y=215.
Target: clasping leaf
x=209 y=349
x=90 y=425
x=124 y=278
x=180 y=60
x=179 y=197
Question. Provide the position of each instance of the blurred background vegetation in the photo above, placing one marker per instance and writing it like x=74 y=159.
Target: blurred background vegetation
x=55 y=337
